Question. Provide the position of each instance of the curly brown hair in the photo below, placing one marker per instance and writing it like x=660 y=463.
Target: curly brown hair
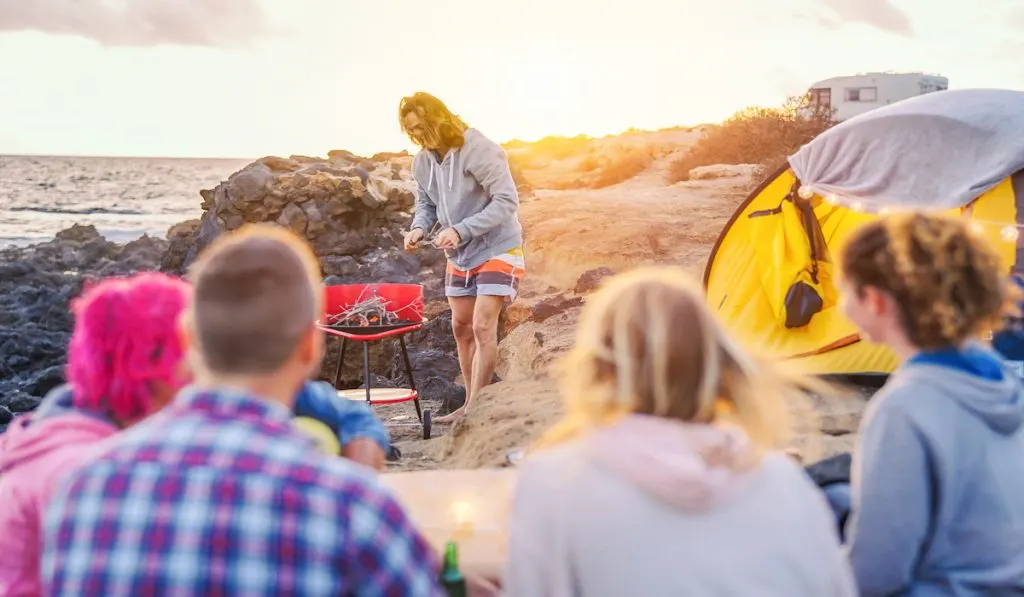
x=948 y=282
x=438 y=126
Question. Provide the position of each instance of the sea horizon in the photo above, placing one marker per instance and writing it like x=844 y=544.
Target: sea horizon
x=123 y=197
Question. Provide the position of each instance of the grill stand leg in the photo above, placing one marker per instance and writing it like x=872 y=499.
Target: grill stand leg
x=412 y=382
x=366 y=371
x=341 y=362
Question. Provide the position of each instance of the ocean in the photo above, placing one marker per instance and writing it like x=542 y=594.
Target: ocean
x=123 y=198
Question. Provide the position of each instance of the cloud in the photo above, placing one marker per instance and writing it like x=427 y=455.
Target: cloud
x=141 y=22
x=882 y=14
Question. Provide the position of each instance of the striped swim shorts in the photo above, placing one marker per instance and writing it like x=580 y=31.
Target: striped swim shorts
x=499 y=276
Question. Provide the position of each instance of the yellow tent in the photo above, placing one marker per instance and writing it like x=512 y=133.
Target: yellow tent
x=770 y=273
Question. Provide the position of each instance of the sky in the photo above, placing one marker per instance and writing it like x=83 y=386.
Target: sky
x=247 y=78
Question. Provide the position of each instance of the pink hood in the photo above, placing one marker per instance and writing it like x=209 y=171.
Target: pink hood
x=26 y=441
x=688 y=466
x=34 y=457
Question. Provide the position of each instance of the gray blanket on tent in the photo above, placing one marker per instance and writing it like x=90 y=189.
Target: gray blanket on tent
x=939 y=151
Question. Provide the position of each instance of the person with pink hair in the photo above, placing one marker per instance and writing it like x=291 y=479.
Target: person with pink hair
x=125 y=362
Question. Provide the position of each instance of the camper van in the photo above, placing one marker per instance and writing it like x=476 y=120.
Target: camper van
x=853 y=95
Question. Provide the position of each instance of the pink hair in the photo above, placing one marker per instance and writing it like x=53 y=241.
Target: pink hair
x=125 y=338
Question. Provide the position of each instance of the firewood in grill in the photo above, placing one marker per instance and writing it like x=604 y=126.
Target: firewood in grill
x=371 y=311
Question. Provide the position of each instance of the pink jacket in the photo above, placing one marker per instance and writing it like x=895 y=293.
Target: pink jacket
x=34 y=456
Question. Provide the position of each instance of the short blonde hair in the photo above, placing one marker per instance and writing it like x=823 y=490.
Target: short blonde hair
x=646 y=343
x=257 y=292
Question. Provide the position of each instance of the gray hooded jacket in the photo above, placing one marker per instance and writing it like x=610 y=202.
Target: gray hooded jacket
x=471 y=190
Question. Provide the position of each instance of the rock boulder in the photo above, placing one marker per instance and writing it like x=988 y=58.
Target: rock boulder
x=37 y=284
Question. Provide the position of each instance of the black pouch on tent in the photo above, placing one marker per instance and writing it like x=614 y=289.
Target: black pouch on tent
x=803 y=298
x=803 y=301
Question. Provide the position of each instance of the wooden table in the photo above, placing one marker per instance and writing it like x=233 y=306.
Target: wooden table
x=470 y=506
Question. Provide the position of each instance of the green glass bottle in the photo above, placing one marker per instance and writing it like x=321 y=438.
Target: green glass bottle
x=452 y=579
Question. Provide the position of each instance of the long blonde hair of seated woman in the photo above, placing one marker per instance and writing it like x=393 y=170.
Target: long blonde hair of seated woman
x=647 y=343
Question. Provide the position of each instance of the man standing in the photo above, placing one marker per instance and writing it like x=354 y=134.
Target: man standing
x=466 y=186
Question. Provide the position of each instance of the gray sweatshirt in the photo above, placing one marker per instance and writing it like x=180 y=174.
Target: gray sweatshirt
x=938 y=482
x=471 y=190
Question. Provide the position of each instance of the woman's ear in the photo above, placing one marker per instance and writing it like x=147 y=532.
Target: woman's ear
x=877 y=302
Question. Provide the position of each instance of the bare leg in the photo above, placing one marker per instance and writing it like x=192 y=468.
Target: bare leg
x=485 y=341
x=462 y=329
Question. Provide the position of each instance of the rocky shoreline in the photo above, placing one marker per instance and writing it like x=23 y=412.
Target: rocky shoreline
x=352 y=210
x=36 y=285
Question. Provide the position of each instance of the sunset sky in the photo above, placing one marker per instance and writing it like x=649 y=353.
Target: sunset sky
x=245 y=78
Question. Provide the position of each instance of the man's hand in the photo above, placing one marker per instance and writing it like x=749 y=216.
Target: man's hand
x=366 y=452
x=412 y=238
x=447 y=239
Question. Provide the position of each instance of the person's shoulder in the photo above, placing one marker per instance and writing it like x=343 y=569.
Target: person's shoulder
x=781 y=478
x=782 y=467
x=785 y=481
x=419 y=160
x=477 y=141
x=549 y=466
x=907 y=391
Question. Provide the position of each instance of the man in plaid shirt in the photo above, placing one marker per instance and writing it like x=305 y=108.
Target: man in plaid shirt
x=220 y=494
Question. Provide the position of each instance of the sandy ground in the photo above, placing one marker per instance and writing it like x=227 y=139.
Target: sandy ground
x=640 y=221
x=546 y=168
x=568 y=232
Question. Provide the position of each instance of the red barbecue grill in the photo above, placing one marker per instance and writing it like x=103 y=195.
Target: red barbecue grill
x=402 y=305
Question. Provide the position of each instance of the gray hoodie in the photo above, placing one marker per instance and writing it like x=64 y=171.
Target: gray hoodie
x=472 y=190
x=938 y=485
x=649 y=507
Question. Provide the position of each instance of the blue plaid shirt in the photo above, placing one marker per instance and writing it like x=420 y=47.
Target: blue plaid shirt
x=220 y=495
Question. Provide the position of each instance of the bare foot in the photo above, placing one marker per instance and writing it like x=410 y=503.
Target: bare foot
x=451 y=417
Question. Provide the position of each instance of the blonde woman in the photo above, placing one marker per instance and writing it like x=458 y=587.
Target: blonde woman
x=663 y=478
x=466 y=187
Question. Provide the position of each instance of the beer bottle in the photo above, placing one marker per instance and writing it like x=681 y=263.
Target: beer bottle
x=452 y=579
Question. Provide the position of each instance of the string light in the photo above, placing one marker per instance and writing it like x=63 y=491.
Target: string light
x=1008 y=232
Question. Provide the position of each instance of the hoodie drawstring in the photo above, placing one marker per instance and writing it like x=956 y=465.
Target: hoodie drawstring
x=440 y=184
x=451 y=173
x=451 y=182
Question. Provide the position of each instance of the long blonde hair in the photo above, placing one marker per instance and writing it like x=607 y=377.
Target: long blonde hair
x=440 y=126
x=646 y=343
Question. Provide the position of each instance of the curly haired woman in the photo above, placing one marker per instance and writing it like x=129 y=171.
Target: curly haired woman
x=938 y=477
